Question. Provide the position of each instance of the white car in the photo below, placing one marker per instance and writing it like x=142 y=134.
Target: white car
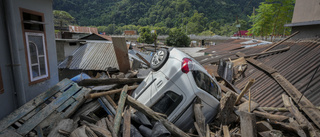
x=173 y=86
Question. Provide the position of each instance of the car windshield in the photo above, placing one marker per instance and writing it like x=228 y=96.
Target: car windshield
x=205 y=83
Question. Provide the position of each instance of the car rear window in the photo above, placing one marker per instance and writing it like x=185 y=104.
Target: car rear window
x=167 y=103
x=204 y=82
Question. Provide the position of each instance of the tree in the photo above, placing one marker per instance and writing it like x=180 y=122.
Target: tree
x=271 y=17
x=146 y=36
x=62 y=18
x=206 y=33
x=178 y=38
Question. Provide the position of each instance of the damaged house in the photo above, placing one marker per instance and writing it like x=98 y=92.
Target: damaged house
x=28 y=54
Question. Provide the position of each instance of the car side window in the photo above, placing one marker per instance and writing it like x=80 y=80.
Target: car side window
x=205 y=83
x=167 y=103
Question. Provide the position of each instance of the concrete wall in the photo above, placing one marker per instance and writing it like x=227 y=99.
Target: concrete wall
x=8 y=100
x=24 y=91
x=306 y=10
x=64 y=49
x=310 y=31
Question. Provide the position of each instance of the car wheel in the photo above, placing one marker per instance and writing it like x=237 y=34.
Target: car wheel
x=159 y=59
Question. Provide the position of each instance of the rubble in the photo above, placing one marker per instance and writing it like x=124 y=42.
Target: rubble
x=105 y=108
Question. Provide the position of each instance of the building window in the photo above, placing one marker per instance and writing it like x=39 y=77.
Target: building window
x=35 y=45
x=36 y=56
x=1 y=84
x=167 y=103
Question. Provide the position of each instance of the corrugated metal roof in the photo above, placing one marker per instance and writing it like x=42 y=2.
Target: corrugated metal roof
x=92 y=56
x=297 y=65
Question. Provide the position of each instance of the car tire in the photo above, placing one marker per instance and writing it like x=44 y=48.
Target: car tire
x=159 y=59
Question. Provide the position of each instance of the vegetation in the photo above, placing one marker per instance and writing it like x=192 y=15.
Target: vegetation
x=62 y=18
x=271 y=16
x=191 y=16
x=146 y=36
x=177 y=38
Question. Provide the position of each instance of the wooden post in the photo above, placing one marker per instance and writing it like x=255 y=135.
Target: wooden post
x=121 y=50
x=270 y=116
x=99 y=94
x=151 y=114
x=226 y=132
x=126 y=123
x=117 y=119
x=199 y=117
x=226 y=114
x=246 y=88
x=248 y=124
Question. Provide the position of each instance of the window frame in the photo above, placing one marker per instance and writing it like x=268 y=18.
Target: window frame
x=218 y=96
x=173 y=106
x=42 y=33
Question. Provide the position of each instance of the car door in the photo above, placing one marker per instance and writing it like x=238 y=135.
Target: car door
x=208 y=91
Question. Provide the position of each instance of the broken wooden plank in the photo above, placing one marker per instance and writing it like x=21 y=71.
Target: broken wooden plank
x=278 y=43
x=117 y=118
x=44 y=113
x=143 y=59
x=32 y=104
x=226 y=90
x=244 y=91
x=110 y=127
x=198 y=129
x=126 y=123
x=226 y=132
x=280 y=109
x=244 y=106
x=175 y=131
x=294 y=93
x=65 y=124
x=226 y=114
x=98 y=130
x=248 y=124
x=99 y=94
x=302 y=120
x=114 y=105
x=270 y=116
x=199 y=117
x=98 y=82
x=288 y=128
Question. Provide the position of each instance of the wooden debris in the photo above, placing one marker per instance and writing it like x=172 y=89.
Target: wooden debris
x=110 y=127
x=226 y=114
x=226 y=132
x=263 y=126
x=150 y=113
x=117 y=119
x=245 y=106
x=98 y=130
x=66 y=124
x=248 y=124
x=244 y=91
x=270 y=116
x=294 y=93
x=99 y=94
x=143 y=59
x=63 y=132
x=126 y=123
x=79 y=132
x=279 y=109
x=97 y=82
x=90 y=133
x=302 y=120
x=199 y=118
x=288 y=128
x=110 y=100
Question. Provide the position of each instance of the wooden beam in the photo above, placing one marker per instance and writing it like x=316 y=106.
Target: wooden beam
x=226 y=132
x=151 y=114
x=199 y=117
x=248 y=124
x=126 y=123
x=302 y=120
x=117 y=118
x=244 y=91
x=278 y=43
x=143 y=59
x=280 y=109
x=270 y=116
x=99 y=94
x=226 y=114
x=294 y=93
x=109 y=81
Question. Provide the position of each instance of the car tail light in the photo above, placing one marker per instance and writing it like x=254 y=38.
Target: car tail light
x=186 y=65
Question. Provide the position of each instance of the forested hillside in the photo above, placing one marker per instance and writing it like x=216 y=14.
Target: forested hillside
x=196 y=16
